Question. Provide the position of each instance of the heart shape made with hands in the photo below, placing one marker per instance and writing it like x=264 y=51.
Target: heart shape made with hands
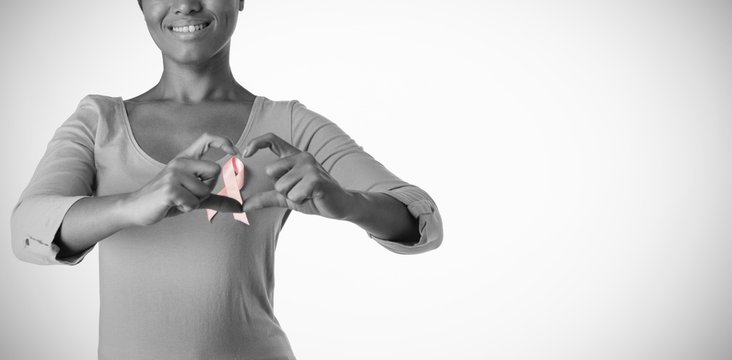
x=233 y=174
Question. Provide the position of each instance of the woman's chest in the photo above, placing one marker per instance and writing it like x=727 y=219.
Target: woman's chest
x=162 y=131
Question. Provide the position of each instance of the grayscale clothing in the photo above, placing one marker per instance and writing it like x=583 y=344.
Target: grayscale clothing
x=187 y=288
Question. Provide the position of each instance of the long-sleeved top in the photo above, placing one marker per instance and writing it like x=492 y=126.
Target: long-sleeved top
x=187 y=288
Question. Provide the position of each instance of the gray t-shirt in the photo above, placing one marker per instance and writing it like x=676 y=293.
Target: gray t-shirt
x=187 y=288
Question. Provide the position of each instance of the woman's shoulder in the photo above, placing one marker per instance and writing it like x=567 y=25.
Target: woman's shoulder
x=283 y=109
x=102 y=103
x=100 y=113
x=276 y=104
x=292 y=108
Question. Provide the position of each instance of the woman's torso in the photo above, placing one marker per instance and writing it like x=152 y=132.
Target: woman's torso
x=187 y=288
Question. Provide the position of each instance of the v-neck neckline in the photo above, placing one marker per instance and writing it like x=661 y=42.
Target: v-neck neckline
x=122 y=111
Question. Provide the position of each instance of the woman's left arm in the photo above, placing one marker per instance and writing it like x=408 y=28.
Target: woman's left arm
x=322 y=171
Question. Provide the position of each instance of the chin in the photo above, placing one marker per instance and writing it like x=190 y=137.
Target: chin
x=194 y=53
x=192 y=56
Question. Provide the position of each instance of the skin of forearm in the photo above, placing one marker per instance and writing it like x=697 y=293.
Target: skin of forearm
x=89 y=221
x=384 y=217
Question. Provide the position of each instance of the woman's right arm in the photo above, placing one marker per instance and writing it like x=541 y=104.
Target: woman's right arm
x=57 y=220
x=184 y=185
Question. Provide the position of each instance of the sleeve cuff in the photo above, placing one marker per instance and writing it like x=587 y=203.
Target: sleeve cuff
x=69 y=260
x=423 y=208
x=37 y=244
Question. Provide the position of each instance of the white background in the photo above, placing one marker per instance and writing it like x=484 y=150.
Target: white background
x=579 y=152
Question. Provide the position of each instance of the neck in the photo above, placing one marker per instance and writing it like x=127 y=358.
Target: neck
x=194 y=83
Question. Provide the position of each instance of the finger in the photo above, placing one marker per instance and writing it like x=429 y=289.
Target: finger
x=280 y=167
x=220 y=203
x=207 y=171
x=276 y=144
x=302 y=191
x=184 y=201
x=195 y=186
x=205 y=142
x=264 y=200
x=284 y=184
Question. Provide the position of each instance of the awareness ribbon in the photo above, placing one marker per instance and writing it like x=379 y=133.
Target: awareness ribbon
x=233 y=175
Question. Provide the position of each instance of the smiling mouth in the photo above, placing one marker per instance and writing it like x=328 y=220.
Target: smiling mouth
x=189 y=28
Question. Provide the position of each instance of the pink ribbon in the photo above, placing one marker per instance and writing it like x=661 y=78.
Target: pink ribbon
x=233 y=175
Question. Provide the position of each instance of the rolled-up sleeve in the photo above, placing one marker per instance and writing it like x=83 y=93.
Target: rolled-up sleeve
x=65 y=174
x=355 y=169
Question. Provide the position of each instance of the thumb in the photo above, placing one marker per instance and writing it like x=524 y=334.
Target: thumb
x=264 y=200
x=220 y=203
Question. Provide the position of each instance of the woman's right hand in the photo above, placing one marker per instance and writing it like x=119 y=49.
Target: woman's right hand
x=183 y=185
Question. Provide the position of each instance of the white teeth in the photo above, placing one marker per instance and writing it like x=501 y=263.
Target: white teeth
x=189 y=28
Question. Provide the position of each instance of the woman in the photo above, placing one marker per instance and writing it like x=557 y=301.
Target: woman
x=177 y=283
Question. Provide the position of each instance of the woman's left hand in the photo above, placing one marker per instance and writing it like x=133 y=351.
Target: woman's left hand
x=301 y=183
